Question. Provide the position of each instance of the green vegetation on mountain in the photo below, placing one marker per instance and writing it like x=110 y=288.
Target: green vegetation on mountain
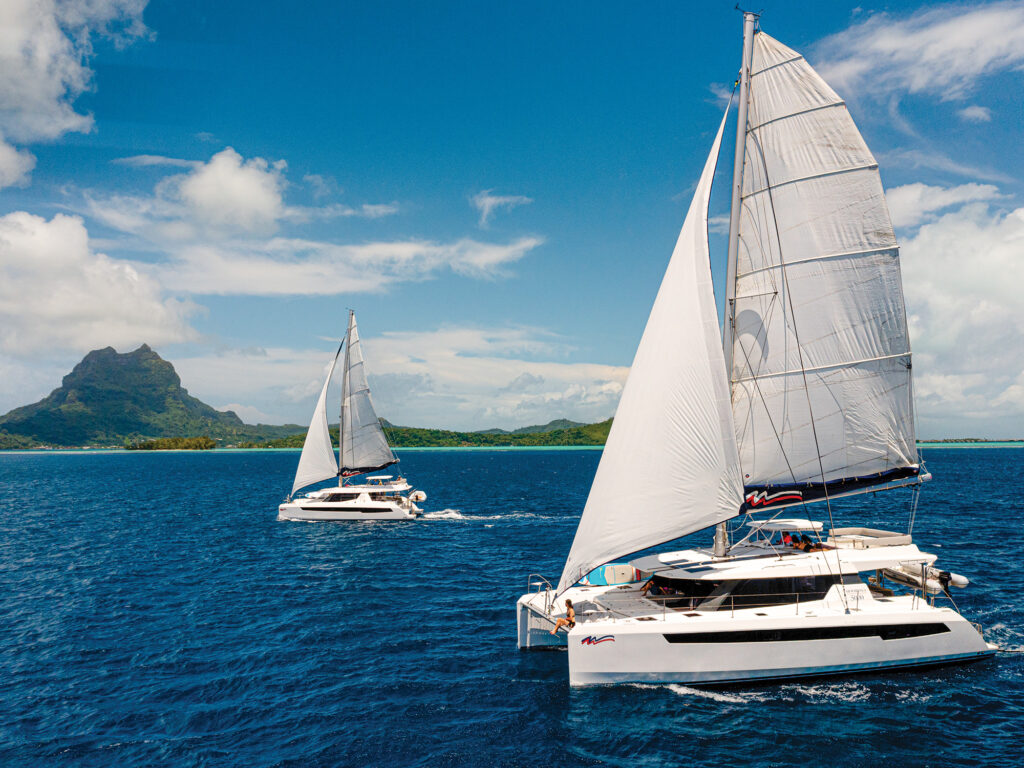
x=203 y=443
x=415 y=437
x=551 y=426
x=109 y=399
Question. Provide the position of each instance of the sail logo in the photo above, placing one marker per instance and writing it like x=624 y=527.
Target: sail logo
x=591 y=640
x=765 y=499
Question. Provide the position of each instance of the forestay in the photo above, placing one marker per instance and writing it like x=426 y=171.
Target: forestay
x=364 y=448
x=317 y=461
x=669 y=466
x=821 y=356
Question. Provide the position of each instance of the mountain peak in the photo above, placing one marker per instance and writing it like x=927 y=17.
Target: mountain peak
x=109 y=396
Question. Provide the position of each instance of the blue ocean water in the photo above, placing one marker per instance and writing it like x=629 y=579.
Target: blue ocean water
x=155 y=612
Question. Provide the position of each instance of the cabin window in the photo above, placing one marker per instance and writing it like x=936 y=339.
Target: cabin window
x=689 y=594
x=341 y=497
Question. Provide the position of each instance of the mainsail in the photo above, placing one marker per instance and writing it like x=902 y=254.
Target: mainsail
x=820 y=374
x=317 y=461
x=364 y=448
x=670 y=465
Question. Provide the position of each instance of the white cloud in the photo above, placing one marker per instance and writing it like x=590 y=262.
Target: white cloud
x=44 y=47
x=283 y=266
x=942 y=51
x=230 y=194
x=57 y=294
x=487 y=203
x=455 y=377
x=15 y=165
x=911 y=204
x=147 y=161
x=935 y=160
x=975 y=114
x=227 y=197
x=962 y=275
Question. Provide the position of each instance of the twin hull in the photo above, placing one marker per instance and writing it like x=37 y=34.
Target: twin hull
x=713 y=650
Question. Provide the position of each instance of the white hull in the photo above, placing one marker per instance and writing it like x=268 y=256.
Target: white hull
x=309 y=513
x=750 y=645
x=380 y=500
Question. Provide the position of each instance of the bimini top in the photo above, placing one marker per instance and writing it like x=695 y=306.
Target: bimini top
x=786 y=524
x=379 y=478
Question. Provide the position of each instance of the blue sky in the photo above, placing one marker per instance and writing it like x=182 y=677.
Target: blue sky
x=494 y=188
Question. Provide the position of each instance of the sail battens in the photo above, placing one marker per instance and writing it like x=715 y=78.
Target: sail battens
x=364 y=447
x=820 y=376
x=798 y=113
x=775 y=65
x=818 y=368
x=810 y=177
x=822 y=257
x=669 y=466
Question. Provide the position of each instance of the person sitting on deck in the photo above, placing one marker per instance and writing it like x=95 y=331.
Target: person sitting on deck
x=786 y=538
x=570 y=618
x=651 y=587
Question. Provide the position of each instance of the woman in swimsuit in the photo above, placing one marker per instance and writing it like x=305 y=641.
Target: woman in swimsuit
x=570 y=618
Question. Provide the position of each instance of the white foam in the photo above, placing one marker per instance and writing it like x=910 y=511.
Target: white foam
x=455 y=514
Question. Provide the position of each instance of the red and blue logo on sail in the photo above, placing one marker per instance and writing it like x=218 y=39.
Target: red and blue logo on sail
x=591 y=640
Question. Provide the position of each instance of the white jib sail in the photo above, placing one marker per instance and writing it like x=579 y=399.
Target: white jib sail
x=821 y=356
x=670 y=465
x=317 y=461
x=364 y=447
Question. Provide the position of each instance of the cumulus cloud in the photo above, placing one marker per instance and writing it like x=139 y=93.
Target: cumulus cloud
x=57 y=294
x=975 y=114
x=962 y=275
x=911 y=204
x=15 y=165
x=942 y=51
x=44 y=50
x=488 y=203
x=226 y=197
x=455 y=377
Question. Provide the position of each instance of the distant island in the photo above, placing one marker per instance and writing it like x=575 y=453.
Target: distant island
x=552 y=434
x=203 y=443
x=135 y=401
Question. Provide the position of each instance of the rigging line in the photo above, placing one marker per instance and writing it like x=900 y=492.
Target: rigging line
x=771 y=421
x=764 y=325
x=807 y=392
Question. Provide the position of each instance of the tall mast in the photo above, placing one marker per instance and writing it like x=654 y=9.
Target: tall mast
x=344 y=392
x=729 y=325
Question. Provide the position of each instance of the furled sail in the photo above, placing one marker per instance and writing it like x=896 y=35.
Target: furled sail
x=364 y=448
x=670 y=465
x=820 y=376
x=317 y=461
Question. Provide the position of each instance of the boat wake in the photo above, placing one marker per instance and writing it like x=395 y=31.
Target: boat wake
x=455 y=514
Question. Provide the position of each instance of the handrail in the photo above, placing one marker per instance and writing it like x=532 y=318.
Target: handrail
x=530 y=584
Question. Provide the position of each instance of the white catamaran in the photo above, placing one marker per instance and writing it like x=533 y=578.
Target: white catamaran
x=363 y=448
x=809 y=398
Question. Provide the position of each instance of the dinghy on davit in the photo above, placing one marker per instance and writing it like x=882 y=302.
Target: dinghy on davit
x=363 y=448
x=808 y=398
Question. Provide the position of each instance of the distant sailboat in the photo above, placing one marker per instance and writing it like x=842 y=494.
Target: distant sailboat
x=809 y=398
x=363 y=448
